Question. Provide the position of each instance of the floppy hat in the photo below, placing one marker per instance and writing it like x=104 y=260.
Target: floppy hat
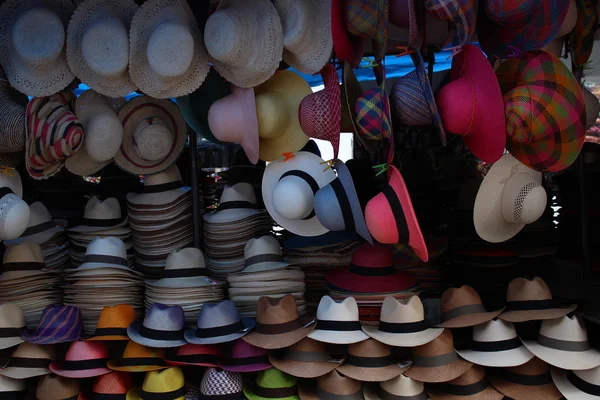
x=305 y=359
x=332 y=386
x=219 y=323
x=12 y=388
x=278 y=324
x=12 y=121
x=370 y=361
x=58 y=324
x=98 y=45
x=581 y=39
x=41 y=227
x=530 y=381
x=14 y=214
x=273 y=384
x=184 y=268
x=480 y=118
x=32 y=39
x=461 y=16
x=462 y=307
x=154 y=134
x=245 y=41
x=163 y=326
x=391 y=218
x=472 y=385
x=52 y=387
x=437 y=361
x=12 y=324
x=139 y=358
x=162 y=188
x=577 y=385
x=244 y=357
x=83 y=360
x=100 y=215
x=545 y=126
x=510 y=197
x=199 y=355
x=113 y=323
x=288 y=189
x=237 y=202
x=530 y=300
x=166 y=384
x=337 y=322
x=219 y=384
x=109 y=252
x=29 y=360
x=21 y=261
x=263 y=253
x=369 y=20
x=400 y=387
x=110 y=386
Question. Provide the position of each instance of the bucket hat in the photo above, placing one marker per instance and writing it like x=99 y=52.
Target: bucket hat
x=58 y=324
x=237 y=202
x=370 y=361
x=399 y=387
x=369 y=20
x=29 y=360
x=113 y=384
x=244 y=357
x=219 y=384
x=581 y=39
x=12 y=388
x=332 y=386
x=338 y=322
x=113 y=323
x=12 y=324
x=12 y=119
x=166 y=384
x=462 y=307
x=41 y=227
x=53 y=387
x=163 y=327
x=14 y=214
x=22 y=261
x=100 y=215
x=219 y=323
x=530 y=381
x=199 y=355
x=472 y=385
x=577 y=385
x=305 y=359
x=139 y=358
x=409 y=15
x=163 y=188
x=83 y=360
x=263 y=254
x=184 y=268
x=273 y=384
x=461 y=16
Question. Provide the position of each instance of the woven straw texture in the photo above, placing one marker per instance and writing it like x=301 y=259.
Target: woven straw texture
x=460 y=14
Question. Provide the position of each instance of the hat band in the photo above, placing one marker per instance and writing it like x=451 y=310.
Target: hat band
x=204 y=333
x=184 y=273
x=340 y=326
x=502 y=345
x=12 y=395
x=369 y=362
x=165 y=187
x=582 y=385
x=102 y=259
x=262 y=258
x=385 y=395
x=229 y=205
x=158 y=334
x=525 y=380
x=314 y=186
x=175 y=394
x=372 y=271
x=5 y=190
x=11 y=332
x=435 y=361
x=142 y=362
x=397 y=211
x=527 y=305
x=325 y=395
x=463 y=310
x=344 y=202
x=275 y=393
x=110 y=332
x=225 y=396
x=23 y=266
x=196 y=358
x=564 y=345
x=101 y=222
x=83 y=364
x=305 y=356
x=463 y=390
x=106 y=396
x=32 y=230
x=18 y=362
x=403 y=327
x=275 y=329
x=264 y=359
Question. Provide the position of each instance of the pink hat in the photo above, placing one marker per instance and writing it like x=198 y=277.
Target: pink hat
x=233 y=119
x=200 y=355
x=471 y=104
x=84 y=359
x=391 y=218
x=244 y=357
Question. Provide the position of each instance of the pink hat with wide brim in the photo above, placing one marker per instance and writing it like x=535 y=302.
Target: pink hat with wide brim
x=84 y=359
x=471 y=104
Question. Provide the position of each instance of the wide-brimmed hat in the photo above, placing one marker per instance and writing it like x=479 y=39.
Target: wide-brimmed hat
x=29 y=360
x=472 y=385
x=22 y=260
x=305 y=359
x=530 y=381
x=154 y=134
x=219 y=323
x=163 y=326
x=163 y=188
x=244 y=357
x=12 y=388
x=83 y=360
x=184 y=268
x=12 y=324
x=219 y=384
x=370 y=361
x=113 y=323
x=577 y=385
x=461 y=16
x=289 y=187
x=545 y=126
x=41 y=227
x=199 y=355
x=58 y=324
x=581 y=39
x=235 y=37
x=263 y=254
x=237 y=202
x=139 y=358
x=166 y=384
x=338 y=322
x=32 y=41
x=112 y=384
x=409 y=15
x=332 y=386
x=462 y=307
x=14 y=214
x=398 y=388
x=12 y=122
x=98 y=45
x=100 y=215
x=51 y=387
x=530 y=300
x=273 y=384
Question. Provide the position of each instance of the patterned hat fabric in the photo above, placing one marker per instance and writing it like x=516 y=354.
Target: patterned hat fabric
x=409 y=14
x=58 y=324
x=368 y=19
x=545 y=111
x=461 y=16
x=581 y=39
x=347 y=47
x=225 y=384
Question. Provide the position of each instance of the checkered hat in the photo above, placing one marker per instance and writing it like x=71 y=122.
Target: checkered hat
x=369 y=19
x=582 y=36
x=461 y=16
x=220 y=383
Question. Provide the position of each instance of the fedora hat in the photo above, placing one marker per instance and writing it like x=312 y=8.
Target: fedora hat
x=219 y=323
x=244 y=357
x=41 y=227
x=83 y=360
x=113 y=323
x=409 y=15
x=370 y=361
x=402 y=324
x=100 y=215
x=337 y=205
x=163 y=188
x=400 y=387
x=163 y=326
x=581 y=39
x=530 y=381
x=113 y=385
x=237 y=202
x=98 y=45
x=305 y=359
x=263 y=253
x=278 y=324
x=199 y=355
x=462 y=307
x=235 y=37
x=577 y=385
x=338 y=322
x=592 y=107
x=472 y=385
x=184 y=268
x=288 y=189
x=12 y=388
x=532 y=100
x=369 y=20
x=58 y=324
x=109 y=252
x=29 y=360
x=510 y=197
x=12 y=324
x=12 y=121
x=14 y=214
x=461 y=16
x=332 y=386
x=391 y=218
x=219 y=384
x=54 y=387
x=563 y=343
x=437 y=361
x=139 y=358
x=158 y=68
x=154 y=134
x=21 y=261
x=32 y=41
x=272 y=384
x=167 y=384
x=530 y=300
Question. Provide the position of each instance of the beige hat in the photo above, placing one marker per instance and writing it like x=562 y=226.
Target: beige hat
x=305 y=359
x=22 y=260
x=54 y=387
x=263 y=254
x=462 y=307
x=245 y=41
x=577 y=385
x=100 y=215
x=157 y=67
x=472 y=385
x=98 y=45
x=400 y=387
x=41 y=227
x=332 y=386
x=32 y=41
x=184 y=268
x=338 y=322
x=370 y=361
x=29 y=360
x=12 y=324
x=530 y=381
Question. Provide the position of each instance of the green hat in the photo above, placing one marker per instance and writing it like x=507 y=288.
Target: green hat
x=273 y=384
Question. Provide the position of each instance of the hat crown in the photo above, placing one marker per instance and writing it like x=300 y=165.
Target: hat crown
x=338 y=384
x=242 y=191
x=523 y=199
x=102 y=209
x=373 y=256
x=12 y=179
x=24 y=252
x=373 y=101
x=331 y=310
x=38 y=214
x=589 y=375
x=273 y=378
x=308 y=345
x=108 y=246
x=457 y=297
x=404 y=91
x=115 y=382
x=473 y=375
x=243 y=349
x=369 y=348
x=510 y=13
x=57 y=319
x=218 y=314
x=188 y=258
x=169 y=175
x=443 y=344
x=163 y=381
x=36 y=351
x=11 y=316
x=222 y=35
x=105 y=47
x=119 y=316
x=38 y=36
x=495 y=330
x=293 y=15
x=293 y=197
x=395 y=311
x=319 y=109
x=266 y=244
x=522 y=289
x=273 y=114
x=568 y=328
x=153 y=139
x=228 y=117
x=272 y=310
x=136 y=350
x=11 y=385
x=220 y=382
x=56 y=387
x=195 y=349
x=86 y=350
x=103 y=136
x=165 y=318
x=403 y=386
x=166 y=60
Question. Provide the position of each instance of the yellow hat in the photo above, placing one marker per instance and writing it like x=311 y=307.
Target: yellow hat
x=169 y=383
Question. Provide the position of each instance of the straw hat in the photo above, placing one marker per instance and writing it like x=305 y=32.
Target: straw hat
x=461 y=16
x=41 y=227
x=530 y=381
x=273 y=384
x=12 y=388
x=29 y=360
x=581 y=39
x=158 y=68
x=100 y=215
x=408 y=15
x=530 y=300
x=169 y=383
x=12 y=324
x=32 y=39
x=109 y=252
x=221 y=385
x=12 y=121
x=52 y=387
x=98 y=45
x=237 y=202
x=400 y=387
x=577 y=385
x=462 y=307
x=14 y=214
x=113 y=323
x=219 y=323
x=58 y=324
x=473 y=385
x=154 y=134
x=184 y=268
x=333 y=386
x=83 y=360
x=244 y=357
x=369 y=20
x=370 y=361
x=305 y=359
x=22 y=260
x=112 y=384
x=163 y=188
x=198 y=355
x=338 y=322
x=348 y=48
x=139 y=358
x=263 y=254
x=163 y=327
x=245 y=41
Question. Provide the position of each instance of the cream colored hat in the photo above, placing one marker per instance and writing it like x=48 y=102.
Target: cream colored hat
x=98 y=45
x=107 y=252
x=263 y=254
x=184 y=268
x=29 y=360
x=338 y=322
x=400 y=387
x=41 y=227
x=100 y=215
x=578 y=385
x=22 y=260
x=12 y=324
x=158 y=67
x=245 y=41
x=237 y=202
x=510 y=197
x=32 y=41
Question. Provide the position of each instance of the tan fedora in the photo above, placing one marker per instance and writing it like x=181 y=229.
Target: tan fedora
x=333 y=386
x=530 y=381
x=370 y=361
x=462 y=307
x=472 y=385
x=100 y=215
x=53 y=387
x=12 y=324
x=29 y=360
x=305 y=359
x=399 y=388
x=22 y=260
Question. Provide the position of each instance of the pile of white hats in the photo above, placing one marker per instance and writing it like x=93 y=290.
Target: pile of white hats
x=14 y=212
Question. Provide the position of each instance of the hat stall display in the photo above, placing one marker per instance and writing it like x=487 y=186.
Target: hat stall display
x=58 y=324
x=83 y=360
x=577 y=385
x=113 y=323
x=332 y=386
x=53 y=387
x=399 y=387
x=338 y=322
x=244 y=357
x=272 y=384
x=198 y=355
x=219 y=323
x=305 y=359
x=12 y=324
x=29 y=360
x=221 y=384
x=531 y=380
x=139 y=358
x=163 y=326
x=370 y=361
x=460 y=15
x=462 y=307
x=166 y=384
x=473 y=384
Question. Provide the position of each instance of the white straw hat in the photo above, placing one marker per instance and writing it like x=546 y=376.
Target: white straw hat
x=338 y=322
x=14 y=214
x=41 y=227
x=98 y=45
x=399 y=388
x=263 y=254
x=184 y=268
x=12 y=324
x=578 y=385
x=237 y=202
x=107 y=252
x=32 y=41
x=100 y=215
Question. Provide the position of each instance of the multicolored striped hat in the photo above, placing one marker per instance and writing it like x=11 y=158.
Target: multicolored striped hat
x=59 y=324
x=369 y=19
x=461 y=16
x=544 y=109
x=581 y=39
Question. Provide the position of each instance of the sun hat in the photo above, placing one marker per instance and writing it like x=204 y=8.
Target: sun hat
x=109 y=252
x=461 y=16
x=577 y=385
x=32 y=39
x=184 y=268
x=98 y=45
x=166 y=384
x=29 y=360
x=338 y=322
x=58 y=324
x=581 y=39
x=244 y=357
x=199 y=355
x=305 y=359
x=113 y=385
x=113 y=323
x=369 y=20
x=12 y=388
x=237 y=202
x=163 y=327
x=530 y=381
x=14 y=214
x=83 y=360
x=12 y=120
x=218 y=384
x=462 y=307
x=532 y=100
x=400 y=387
x=139 y=358
x=437 y=361
x=332 y=386
x=22 y=261
x=288 y=189
x=592 y=107
x=163 y=188
x=53 y=387
x=278 y=324
x=12 y=324
x=245 y=41
x=41 y=227
x=273 y=384
x=370 y=361
x=480 y=118
x=472 y=385
x=531 y=300
x=100 y=215
x=219 y=323
x=391 y=218
x=263 y=253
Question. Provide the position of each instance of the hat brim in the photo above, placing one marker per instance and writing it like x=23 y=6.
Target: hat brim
x=5 y=343
x=226 y=216
x=156 y=199
x=251 y=396
x=569 y=360
x=107 y=338
x=23 y=373
x=41 y=237
x=190 y=364
x=370 y=392
x=265 y=266
x=513 y=390
x=43 y=339
x=508 y=358
x=536 y=315
x=244 y=368
x=403 y=339
x=488 y=394
x=465 y=321
x=88 y=373
x=302 y=369
x=116 y=366
x=190 y=334
x=341 y=278
x=93 y=229
x=180 y=283
x=364 y=374
x=566 y=388
x=338 y=337
x=133 y=331
x=440 y=374
x=278 y=341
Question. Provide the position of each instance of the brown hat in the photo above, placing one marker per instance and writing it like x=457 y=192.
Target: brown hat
x=530 y=381
x=528 y=300
x=462 y=307
x=333 y=385
x=52 y=387
x=370 y=361
x=305 y=359
x=472 y=385
x=278 y=324
x=437 y=361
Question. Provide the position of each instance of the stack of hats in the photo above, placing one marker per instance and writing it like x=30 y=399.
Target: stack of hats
x=161 y=220
x=184 y=283
x=103 y=279
x=265 y=274
x=15 y=211
x=227 y=229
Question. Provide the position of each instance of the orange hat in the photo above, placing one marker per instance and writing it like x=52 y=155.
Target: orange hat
x=113 y=323
x=139 y=358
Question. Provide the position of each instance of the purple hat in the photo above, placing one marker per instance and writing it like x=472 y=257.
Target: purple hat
x=59 y=324
x=245 y=357
x=164 y=326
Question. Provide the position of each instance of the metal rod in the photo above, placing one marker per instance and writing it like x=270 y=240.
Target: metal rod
x=194 y=183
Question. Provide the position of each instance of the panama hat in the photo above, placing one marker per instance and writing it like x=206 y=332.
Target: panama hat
x=110 y=386
x=100 y=215
x=52 y=387
x=235 y=37
x=163 y=188
x=581 y=39
x=154 y=134
x=12 y=324
x=109 y=252
x=461 y=16
x=332 y=386
x=337 y=322
x=288 y=189
x=577 y=385
x=237 y=202
x=263 y=254
x=98 y=45
x=370 y=361
x=272 y=384
x=472 y=385
x=12 y=121
x=199 y=355
x=83 y=360
x=139 y=358
x=41 y=227
x=400 y=387
x=12 y=388
x=21 y=261
x=58 y=324
x=29 y=360
x=166 y=384
x=305 y=359
x=219 y=323
x=244 y=357
x=32 y=40
x=163 y=326
x=219 y=384
x=462 y=307
x=530 y=381
x=183 y=269
x=113 y=323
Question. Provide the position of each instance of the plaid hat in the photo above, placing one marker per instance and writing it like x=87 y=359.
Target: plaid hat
x=368 y=19
x=581 y=39
x=58 y=324
x=346 y=46
x=545 y=111
x=461 y=16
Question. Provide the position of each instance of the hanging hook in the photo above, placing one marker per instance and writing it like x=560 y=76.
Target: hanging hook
x=329 y=164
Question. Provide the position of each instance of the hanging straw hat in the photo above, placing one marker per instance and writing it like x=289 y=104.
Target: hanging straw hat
x=305 y=359
x=244 y=357
x=473 y=385
x=198 y=355
x=98 y=45
x=400 y=387
x=462 y=307
x=272 y=384
x=29 y=360
x=52 y=387
x=12 y=120
x=370 y=361
x=461 y=16
x=333 y=386
x=41 y=227
x=163 y=326
x=219 y=323
x=218 y=384
x=338 y=322
x=100 y=215
x=166 y=384
x=530 y=381
x=139 y=358
x=113 y=323
x=32 y=40
x=58 y=324
x=12 y=324
x=577 y=385
x=83 y=360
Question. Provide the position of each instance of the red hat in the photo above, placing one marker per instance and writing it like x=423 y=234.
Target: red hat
x=347 y=47
x=200 y=355
x=83 y=360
